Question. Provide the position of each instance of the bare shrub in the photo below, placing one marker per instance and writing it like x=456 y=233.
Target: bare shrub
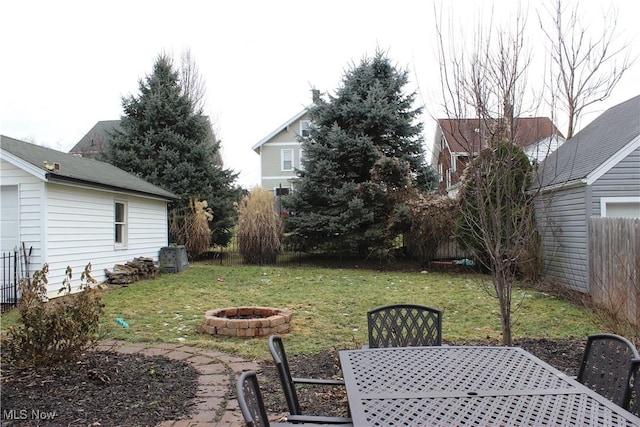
x=433 y=220
x=58 y=331
x=259 y=228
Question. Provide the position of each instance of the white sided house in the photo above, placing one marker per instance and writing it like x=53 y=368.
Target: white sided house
x=73 y=211
x=280 y=154
x=595 y=174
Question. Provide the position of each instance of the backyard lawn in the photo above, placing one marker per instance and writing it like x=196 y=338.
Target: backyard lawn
x=329 y=306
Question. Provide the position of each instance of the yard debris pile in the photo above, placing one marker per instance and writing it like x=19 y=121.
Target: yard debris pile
x=132 y=271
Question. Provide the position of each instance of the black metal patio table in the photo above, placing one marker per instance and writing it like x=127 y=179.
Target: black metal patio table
x=468 y=386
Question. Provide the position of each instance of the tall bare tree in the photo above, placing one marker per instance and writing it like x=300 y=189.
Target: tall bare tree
x=585 y=65
x=191 y=81
x=485 y=83
x=194 y=87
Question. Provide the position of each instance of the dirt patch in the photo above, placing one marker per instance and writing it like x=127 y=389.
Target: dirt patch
x=115 y=389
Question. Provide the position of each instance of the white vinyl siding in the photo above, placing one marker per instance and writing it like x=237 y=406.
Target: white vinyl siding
x=81 y=230
x=31 y=192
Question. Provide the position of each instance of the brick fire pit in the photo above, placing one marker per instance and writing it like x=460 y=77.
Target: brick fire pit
x=247 y=321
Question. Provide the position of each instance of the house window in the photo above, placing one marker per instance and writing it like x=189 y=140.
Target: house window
x=454 y=162
x=286 y=157
x=120 y=224
x=440 y=172
x=305 y=126
x=620 y=207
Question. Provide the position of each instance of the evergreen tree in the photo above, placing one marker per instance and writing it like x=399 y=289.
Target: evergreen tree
x=164 y=141
x=363 y=157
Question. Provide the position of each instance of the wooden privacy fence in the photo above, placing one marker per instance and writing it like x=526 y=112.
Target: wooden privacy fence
x=614 y=264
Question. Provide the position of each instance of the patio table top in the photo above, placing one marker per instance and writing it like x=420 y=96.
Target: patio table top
x=461 y=385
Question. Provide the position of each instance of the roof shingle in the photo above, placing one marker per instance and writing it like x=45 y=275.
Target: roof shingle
x=80 y=170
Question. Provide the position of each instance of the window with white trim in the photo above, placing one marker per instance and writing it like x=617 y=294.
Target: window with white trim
x=620 y=207
x=305 y=126
x=286 y=159
x=120 y=223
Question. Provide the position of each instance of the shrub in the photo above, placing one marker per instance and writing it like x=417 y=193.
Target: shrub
x=192 y=229
x=497 y=221
x=259 y=228
x=57 y=331
x=433 y=222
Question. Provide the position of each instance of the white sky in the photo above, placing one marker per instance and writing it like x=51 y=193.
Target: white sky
x=67 y=64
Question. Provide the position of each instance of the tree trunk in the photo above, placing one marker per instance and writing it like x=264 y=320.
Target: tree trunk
x=502 y=283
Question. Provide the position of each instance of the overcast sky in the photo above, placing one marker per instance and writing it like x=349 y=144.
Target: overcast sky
x=67 y=64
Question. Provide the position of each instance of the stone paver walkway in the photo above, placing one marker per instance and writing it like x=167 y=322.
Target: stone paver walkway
x=216 y=382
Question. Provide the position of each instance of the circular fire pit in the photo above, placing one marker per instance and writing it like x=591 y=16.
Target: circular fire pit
x=247 y=321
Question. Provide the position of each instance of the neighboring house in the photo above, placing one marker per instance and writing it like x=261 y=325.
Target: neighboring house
x=96 y=140
x=459 y=140
x=73 y=211
x=594 y=174
x=280 y=154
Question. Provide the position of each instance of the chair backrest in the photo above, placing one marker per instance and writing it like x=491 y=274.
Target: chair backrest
x=632 y=396
x=250 y=400
x=404 y=325
x=276 y=348
x=605 y=365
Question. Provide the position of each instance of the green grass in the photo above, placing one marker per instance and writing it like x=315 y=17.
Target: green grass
x=329 y=306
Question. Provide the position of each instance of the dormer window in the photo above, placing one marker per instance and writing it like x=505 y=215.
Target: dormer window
x=305 y=128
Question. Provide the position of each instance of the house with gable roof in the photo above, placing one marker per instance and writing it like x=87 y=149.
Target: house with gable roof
x=458 y=141
x=596 y=173
x=73 y=211
x=281 y=154
x=95 y=142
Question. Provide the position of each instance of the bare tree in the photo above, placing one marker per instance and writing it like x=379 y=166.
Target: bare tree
x=486 y=82
x=193 y=85
x=584 y=68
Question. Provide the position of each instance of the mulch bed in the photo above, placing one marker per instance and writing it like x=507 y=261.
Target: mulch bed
x=102 y=389
x=114 y=389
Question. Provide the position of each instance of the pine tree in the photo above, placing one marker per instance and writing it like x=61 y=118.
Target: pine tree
x=364 y=155
x=164 y=141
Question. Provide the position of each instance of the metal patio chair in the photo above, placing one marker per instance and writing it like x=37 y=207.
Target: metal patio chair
x=276 y=348
x=605 y=365
x=404 y=325
x=632 y=396
x=252 y=406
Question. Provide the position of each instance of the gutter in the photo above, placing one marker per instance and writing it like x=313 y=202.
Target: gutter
x=55 y=178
